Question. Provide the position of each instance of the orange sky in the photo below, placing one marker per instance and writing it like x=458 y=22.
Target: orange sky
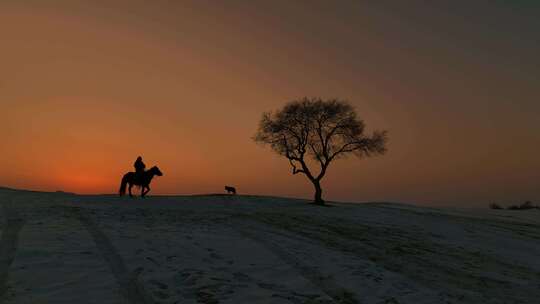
x=86 y=86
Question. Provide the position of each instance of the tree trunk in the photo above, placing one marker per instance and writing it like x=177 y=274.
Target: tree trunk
x=318 y=193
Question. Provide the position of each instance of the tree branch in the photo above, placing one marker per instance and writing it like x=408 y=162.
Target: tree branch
x=343 y=149
x=295 y=170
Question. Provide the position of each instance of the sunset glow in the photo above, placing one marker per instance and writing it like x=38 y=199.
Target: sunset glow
x=86 y=87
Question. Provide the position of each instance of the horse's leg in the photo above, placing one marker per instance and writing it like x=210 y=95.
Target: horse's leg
x=147 y=190
x=130 y=186
x=142 y=191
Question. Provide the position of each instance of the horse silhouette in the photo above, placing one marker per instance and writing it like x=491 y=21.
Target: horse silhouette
x=142 y=181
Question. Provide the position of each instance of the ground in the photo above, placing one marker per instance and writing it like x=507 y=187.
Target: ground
x=65 y=248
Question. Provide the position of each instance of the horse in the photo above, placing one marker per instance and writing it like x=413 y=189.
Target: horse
x=143 y=181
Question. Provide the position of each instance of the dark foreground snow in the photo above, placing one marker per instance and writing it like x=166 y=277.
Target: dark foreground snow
x=62 y=248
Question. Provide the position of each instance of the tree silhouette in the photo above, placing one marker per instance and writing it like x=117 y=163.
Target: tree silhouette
x=324 y=130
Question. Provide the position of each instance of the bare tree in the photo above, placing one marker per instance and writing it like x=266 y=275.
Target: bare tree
x=324 y=130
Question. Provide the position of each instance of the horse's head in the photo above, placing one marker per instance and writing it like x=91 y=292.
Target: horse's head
x=155 y=170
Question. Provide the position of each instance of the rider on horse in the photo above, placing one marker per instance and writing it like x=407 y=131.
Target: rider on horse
x=139 y=178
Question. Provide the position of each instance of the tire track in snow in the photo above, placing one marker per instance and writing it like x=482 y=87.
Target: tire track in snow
x=312 y=274
x=13 y=224
x=130 y=287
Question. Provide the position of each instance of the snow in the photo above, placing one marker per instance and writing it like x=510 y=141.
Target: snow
x=65 y=248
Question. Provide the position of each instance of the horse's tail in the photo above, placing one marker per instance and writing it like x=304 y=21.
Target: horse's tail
x=123 y=185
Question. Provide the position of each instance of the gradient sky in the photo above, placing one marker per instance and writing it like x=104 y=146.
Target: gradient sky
x=86 y=86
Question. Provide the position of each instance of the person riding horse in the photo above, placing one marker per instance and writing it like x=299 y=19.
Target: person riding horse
x=139 y=178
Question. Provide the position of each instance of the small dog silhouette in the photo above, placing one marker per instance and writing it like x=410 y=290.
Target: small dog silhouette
x=230 y=189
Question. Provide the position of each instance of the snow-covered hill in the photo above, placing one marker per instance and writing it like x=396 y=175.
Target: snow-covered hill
x=63 y=248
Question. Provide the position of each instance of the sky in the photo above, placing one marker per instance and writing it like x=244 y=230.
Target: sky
x=87 y=86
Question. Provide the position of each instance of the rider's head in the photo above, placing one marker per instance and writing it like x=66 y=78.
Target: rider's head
x=139 y=158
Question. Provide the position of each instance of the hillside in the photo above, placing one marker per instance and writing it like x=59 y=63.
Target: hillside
x=63 y=248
